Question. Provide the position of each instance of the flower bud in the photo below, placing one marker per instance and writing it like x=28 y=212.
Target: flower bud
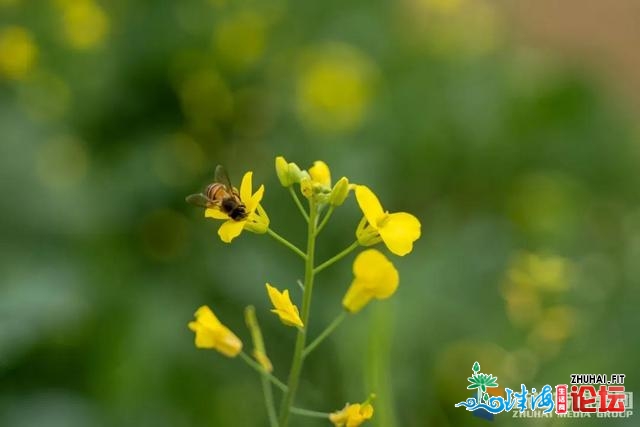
x=288 y=173
x=282 y=170
x=340 y=192
x=320 y=174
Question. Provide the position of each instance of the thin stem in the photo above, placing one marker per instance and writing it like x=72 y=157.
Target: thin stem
x=332 y=327
x=325 y=219
x=268 y=400
x=258 y=344
x=255 y=365
x=298 y=203
x=308 y=413
x=335 y=258
x=287 y=243
x=301 y=285
x=296 y=364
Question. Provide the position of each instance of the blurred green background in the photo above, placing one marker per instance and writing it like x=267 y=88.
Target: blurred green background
x=521 y=167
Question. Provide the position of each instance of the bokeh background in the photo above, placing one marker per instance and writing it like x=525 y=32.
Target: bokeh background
x=508 y=128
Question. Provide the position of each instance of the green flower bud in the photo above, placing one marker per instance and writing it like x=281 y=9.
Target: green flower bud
x=339 y=192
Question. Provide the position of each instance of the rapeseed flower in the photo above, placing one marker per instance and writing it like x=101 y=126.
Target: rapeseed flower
x=374 y=277
x=284 y=308
x=397 y=230
x=210 y=333
x=256 y=220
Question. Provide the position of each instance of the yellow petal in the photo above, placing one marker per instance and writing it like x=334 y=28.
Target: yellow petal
x=254 y=200
x=283 y=307
x=399 y=231
x=369 y=204
x=245 y=187
x=205 y=316
x=215 y=213
x=210 y=333
x=205 y=337
x=320 y=173
x=374 y=272
x=230 y=230
x=356 y=297
x=366 y=411
x=228 y=344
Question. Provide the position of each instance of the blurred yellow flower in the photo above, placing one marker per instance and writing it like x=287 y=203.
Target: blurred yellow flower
x=241 y=39
x=397 y=230
x=18 y=52
x=352 y=415
x=539 y=272
x=334 y=88
x=85 y=23
x=284 y=308
x=374 y=277
x=256 y=220
x=210 y=333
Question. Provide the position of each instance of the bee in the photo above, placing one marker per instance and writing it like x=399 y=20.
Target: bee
x=221 y=195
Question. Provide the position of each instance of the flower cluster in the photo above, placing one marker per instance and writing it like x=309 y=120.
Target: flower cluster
x=374 y=275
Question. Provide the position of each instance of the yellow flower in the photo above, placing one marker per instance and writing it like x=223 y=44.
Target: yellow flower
x=320 y=174
x=317 y=183
x=256 y=220
x=284 y=308
x=352 y=415
x=18 y=52
x=374 y=277
x=210 y=333
x=397 y=230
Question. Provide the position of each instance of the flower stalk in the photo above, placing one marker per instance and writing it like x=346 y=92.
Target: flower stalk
x=296 y=364
x=324 y=334
x=336 y=257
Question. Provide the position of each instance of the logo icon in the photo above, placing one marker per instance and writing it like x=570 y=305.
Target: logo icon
x=581 y=400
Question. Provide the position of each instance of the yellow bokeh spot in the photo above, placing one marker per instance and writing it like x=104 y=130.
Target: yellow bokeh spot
x=443 y=6
x=85 y=23
x=452 y=27
x=556 y=326
x=241 y=39
x=546 y=273
x=18 y=52
x=334 y=88
x=523 y=305
x=62 y=163
x=6 y=3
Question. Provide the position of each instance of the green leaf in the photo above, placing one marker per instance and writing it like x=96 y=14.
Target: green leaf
x=472 y=386
x=476 y=367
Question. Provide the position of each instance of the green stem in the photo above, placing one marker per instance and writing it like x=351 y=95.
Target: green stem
x=325 y=219
x=258 y=344
x=296 y=364
x=268 y=400
x=287 y=243
x=335 y=258
x=332 y=327
x=298 y=203
x=308 y=413
x=255 y=365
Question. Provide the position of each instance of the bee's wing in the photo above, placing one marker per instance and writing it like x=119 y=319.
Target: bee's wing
x=200 y=200
x=222 y=177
